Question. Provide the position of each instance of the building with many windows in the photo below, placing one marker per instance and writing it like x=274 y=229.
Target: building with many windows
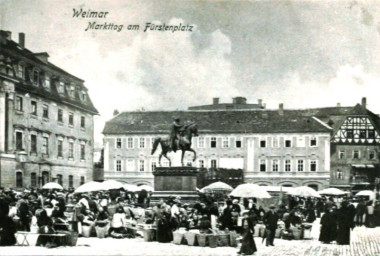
x=46 y=120
x=273 y=147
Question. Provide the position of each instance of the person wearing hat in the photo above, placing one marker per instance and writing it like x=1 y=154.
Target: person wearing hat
x=270 y=221
x=174 y=133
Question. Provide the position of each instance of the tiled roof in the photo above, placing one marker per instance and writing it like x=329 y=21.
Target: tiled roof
x=239 y=121
x=17 y=53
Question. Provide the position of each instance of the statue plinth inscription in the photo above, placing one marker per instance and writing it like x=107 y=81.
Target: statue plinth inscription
x=175 y=181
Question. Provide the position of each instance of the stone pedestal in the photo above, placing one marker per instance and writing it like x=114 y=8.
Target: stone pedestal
x=175 y=181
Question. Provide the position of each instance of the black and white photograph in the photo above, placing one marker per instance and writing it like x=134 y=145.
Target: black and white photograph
x=196 y=127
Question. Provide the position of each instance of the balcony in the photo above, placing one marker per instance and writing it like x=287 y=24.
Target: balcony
x=359 y=180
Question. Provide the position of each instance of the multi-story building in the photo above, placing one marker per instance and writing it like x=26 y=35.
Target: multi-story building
x=46 y=120
x=273 y=147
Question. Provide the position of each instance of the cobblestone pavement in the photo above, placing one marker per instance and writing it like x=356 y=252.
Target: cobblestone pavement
x=364 y=241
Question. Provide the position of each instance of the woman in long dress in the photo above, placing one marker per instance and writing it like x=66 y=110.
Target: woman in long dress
x=248 y=246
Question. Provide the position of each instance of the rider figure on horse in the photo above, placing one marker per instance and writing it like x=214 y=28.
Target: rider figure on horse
x=175 y=133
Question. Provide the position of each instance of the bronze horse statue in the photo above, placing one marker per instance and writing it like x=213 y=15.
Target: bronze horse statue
x=184 y=144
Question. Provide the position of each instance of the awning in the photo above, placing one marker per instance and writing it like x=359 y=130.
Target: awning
x=363 y=165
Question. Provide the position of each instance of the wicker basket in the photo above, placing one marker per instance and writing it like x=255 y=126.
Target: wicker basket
x=213 y=241
x=86 y=231
x=224 y=239
x=202 y=239
x=233 y=239
x=191 y=238
x=101 y=232
x=177 y=237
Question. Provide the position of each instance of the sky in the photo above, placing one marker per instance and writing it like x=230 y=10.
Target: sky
x=303 y=54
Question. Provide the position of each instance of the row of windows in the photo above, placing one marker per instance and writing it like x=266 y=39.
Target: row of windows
x=45 y=112
x=45 y=146
x=45 y=80
x=45 y=178
x=356 y=154
x=226 y=142
x=288 y=165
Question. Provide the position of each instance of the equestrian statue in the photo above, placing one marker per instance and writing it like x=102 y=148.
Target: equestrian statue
x=179 y=139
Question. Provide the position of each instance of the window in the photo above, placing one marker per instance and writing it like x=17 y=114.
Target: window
x=313 y=165
x=213 y=163
x=300 y=165
x=47 y=82
x=59 y=148
x=371 y=155
x=19 y=143
x=71 y=150
x=33 y=143
x=142 y=142
x=263 y=143
x=342 y=154
x=213 y=142
x=34 y=107
x=362 y=134
x=33 y=179
x=18 y=103
x=19 y=179
x=71 y=181
x=288 y=143
x=82 y=122
x=71 y=118
x=275 y=165
x=45 y=145
x=36 y=77
x=201 y=164
x=262 y=165
x=153 y=165
x=118 y=165
x=350 y=134
x=356 y=154
x=83 y=96
x=59 y=179
x=82 y=152
x=60 y=115
x=288 y=166
x=130 y=165
x=313 y=141
x=141 y=165
x=130 y=142
x=225 y=142
x=45 y=111
x=201 y=142
x=82 y=180
x=301 y=141
x=118 y=143
x=339 y=175
x=71 y=91
x=371 y=134
x=45 y=177
x=238 y=143
x=21 y=71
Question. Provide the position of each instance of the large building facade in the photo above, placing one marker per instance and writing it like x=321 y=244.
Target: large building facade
x=272 y=147
x=46 y=120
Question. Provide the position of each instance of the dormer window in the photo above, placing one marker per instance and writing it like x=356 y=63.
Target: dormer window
x=83 y=96
x=61 y=87
x=46 y=82
x=71 y=90
x=36 y=77
x=20 y=72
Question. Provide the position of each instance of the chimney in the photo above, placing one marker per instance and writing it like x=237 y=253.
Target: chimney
x=260 y=102
x=239 y=100
x=21 y=40
x=115 y=112
x=338 y=104
x=215 y=101
x=364 y=102
x=281 y=109
x=8 y=35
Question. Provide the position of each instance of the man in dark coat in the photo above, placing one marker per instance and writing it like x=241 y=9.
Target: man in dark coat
x=328 y=226
x=345 y=222
x=270 y=221
x=7 y=226
x=360 y=210
x=226 y=218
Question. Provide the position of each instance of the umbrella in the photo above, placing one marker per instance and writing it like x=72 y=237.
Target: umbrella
x=277 y=189
x=250 y=190
x=112 y=184
x=89 y=187
x=145 y=187
x=52 y=185
x=304 y=191
x=369 y=193
x=332 y=192
x=217 y=186
x=130 y=187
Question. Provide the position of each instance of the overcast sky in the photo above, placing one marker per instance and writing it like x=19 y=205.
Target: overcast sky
x=302 y=54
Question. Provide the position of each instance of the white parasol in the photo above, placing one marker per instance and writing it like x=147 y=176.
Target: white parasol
x=145 y=187
x=217 y=186
x=250 y=190
x=112 y=184
x=332 y=192
x=369 y=193
x=304 y=191
x=52 y=185
x=130 y=187
x=89 y=187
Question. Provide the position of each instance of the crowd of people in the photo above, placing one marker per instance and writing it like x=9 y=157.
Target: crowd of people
x=118 y=213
